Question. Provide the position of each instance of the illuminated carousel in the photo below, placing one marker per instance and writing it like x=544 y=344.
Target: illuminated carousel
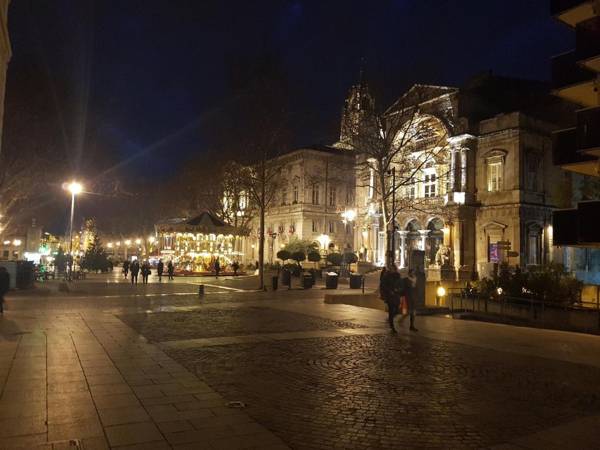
x=195 y=244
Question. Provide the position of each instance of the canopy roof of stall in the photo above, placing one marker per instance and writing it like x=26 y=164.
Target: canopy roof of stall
x=205 y=223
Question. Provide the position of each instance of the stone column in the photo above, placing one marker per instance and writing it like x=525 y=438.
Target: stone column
x=423 y=235
x=463 y=170
x=402 y=235
x=456 y=243
x=452 y=175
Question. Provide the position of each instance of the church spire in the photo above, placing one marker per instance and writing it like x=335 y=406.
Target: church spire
x=359 y=109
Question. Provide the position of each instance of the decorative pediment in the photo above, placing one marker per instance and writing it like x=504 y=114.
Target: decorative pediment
x=494 y=225
x=420 y=93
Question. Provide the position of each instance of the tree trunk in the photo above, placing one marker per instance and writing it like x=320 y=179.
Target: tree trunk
x=261 y=236
x=389 y=260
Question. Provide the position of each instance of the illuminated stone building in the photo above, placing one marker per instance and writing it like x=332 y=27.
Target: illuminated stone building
x=318 y=186
x=488 y=194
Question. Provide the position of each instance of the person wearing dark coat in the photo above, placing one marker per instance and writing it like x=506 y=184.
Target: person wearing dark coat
x=4 y=286
x=170 y=269
x=391 y=288
x=126 y=268
x=217 y=268
x=145 y=272
x=135 y=269
x=159 y=269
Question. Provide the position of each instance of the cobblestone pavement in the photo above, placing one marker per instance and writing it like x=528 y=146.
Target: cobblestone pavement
x=70 y=368
x=382 y=391
x=225 y=321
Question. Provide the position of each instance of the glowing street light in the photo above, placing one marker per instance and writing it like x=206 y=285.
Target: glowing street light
x=349 y=215
x=128 y=242
x=151 y=239
x=74 y=188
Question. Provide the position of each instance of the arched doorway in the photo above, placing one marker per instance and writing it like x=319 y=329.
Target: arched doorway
x=413 y=237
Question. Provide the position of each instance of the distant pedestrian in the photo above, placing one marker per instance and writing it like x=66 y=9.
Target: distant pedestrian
x=126 y=268
x=4 y=286
x=390 y=287
x=411 y=294
x=145 y=272
x=159 y=269
x=170 y=269
x=217 y=268
x=135 y=269
x=235 y=266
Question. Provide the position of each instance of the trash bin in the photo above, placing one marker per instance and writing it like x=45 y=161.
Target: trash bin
x=355 y=281
x=307 y=281
x=274 y=283
x=331 y=280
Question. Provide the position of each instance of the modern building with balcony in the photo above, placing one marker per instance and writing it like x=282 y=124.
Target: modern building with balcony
x=576 y=78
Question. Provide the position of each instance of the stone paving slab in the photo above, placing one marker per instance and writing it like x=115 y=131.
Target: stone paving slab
x=89 y=381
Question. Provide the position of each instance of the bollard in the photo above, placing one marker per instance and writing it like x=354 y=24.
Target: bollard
x=200 y=290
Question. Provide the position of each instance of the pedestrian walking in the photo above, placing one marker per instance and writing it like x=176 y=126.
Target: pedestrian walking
x=235 y=266
x=159 y=269
x=391 y=289
x=4 y=286
x=126 y=268
x=146 y=271
x=170 y=269
x=135 y=269
x=217 y=268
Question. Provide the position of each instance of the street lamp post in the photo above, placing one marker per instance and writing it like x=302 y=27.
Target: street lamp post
x=74 y=188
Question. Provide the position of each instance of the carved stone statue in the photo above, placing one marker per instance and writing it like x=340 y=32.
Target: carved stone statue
x=442 y=257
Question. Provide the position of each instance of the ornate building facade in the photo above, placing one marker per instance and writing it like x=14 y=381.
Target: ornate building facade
x=485 y=195
x=318 y=186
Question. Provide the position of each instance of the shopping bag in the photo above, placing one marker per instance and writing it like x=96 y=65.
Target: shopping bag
x=404 y=305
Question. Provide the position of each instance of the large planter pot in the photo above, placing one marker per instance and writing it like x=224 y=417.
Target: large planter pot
x=286 y=277
x=331 y=281
x=355 y=281
x=307 y=281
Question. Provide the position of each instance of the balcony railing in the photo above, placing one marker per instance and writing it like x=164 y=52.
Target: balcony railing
x=566 y=71
x=564 y=227
x=588 y=129
x=560 y=6
x=579 y=226
x=565 y=150
x=588 y=230
x=588 y=39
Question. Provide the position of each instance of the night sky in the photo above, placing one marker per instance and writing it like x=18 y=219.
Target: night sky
x=140 y=84
x=144 y=75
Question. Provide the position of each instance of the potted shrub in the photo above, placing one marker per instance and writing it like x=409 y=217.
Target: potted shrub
x=283 y=255
x=298 y=257
x=335 y=259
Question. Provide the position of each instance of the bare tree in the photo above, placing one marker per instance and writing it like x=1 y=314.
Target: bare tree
x=394 y=152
